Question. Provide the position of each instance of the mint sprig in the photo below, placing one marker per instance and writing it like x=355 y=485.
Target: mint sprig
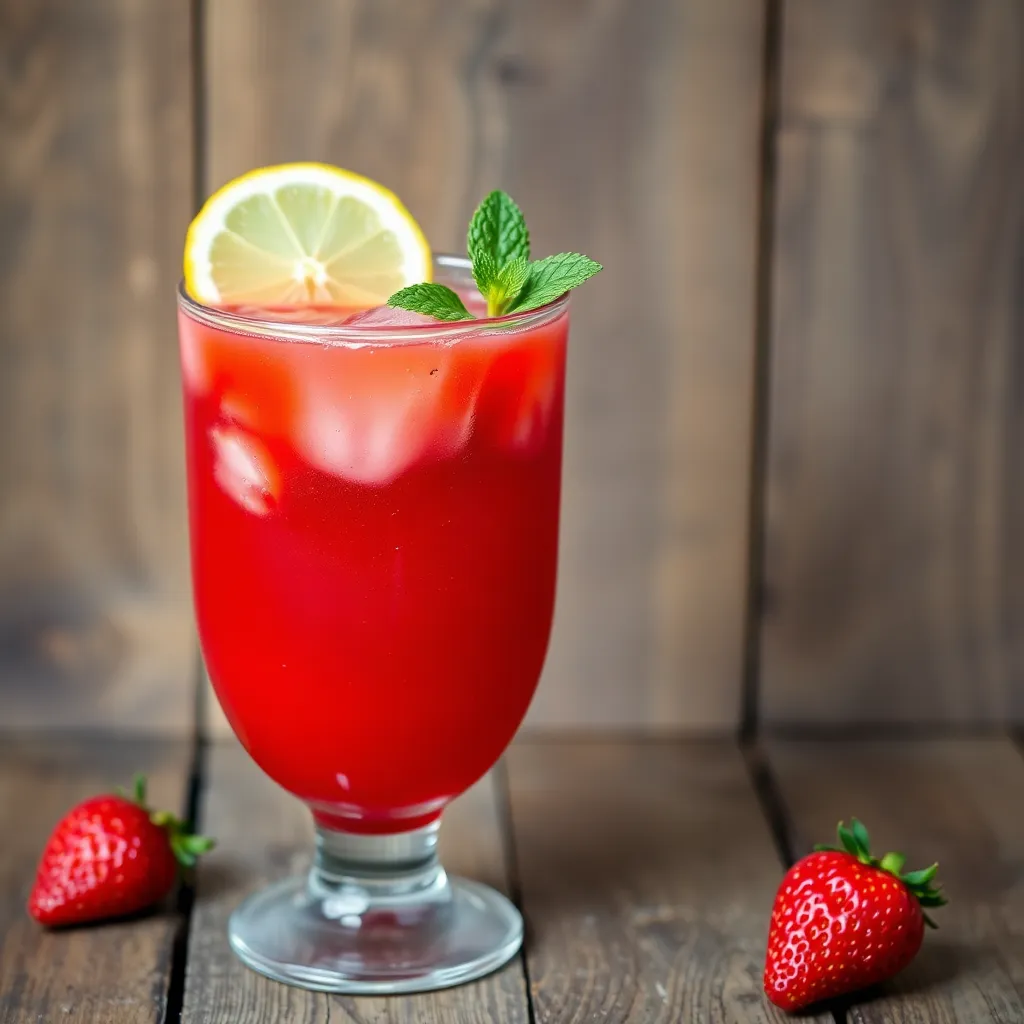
x=498 y=242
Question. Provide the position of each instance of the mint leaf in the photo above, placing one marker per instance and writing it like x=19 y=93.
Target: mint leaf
x=500 y=288
x=485 y=272
x=506 y=287
x=498 y=229
x=551 y=277
x=434 y=300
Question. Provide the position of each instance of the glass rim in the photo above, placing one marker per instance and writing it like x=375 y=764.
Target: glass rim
x=371 y=334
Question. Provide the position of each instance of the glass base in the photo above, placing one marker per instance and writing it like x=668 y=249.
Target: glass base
x=376 y=915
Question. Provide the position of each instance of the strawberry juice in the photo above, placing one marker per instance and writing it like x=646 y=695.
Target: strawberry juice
x=373 y=512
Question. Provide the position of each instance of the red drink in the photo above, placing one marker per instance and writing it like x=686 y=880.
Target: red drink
x=374 y=520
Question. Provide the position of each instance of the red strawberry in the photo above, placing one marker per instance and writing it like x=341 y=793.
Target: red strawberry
x=110 y=856
x=844 y=920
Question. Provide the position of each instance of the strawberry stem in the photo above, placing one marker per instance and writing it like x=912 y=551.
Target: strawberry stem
x=893 y=863
x=186 y=846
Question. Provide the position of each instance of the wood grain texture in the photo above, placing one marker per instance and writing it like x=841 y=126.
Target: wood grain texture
x=627 y=129
x=115 y=973
x=957 y=802
x=895 y=550
x=647 y=876
x=265 y=834
x=94 y=199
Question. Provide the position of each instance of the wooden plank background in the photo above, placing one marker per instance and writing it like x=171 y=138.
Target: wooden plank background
x=891 y=587
x=95 y=621
x=895 y=527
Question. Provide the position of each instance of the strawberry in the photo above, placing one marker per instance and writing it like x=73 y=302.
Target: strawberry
x=844 y=920
x=110 y=856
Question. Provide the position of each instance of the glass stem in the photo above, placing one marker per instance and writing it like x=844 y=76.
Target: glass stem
x=353 y=872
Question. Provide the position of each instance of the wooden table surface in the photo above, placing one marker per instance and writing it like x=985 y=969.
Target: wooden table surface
x=645 y=870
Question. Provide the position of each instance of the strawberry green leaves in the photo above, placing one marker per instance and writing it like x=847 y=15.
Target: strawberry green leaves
x=498 y=242
x=860 y=836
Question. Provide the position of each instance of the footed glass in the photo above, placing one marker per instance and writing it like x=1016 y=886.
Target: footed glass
x=373 y=509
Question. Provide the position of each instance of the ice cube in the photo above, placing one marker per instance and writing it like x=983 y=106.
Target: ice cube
x=519 y=397
x=375 y=441
x=244 y=469
x=385 y=316
x=529 y=422
x=392 y=407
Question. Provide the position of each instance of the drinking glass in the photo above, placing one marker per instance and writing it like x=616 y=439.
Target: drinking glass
x=373 y=510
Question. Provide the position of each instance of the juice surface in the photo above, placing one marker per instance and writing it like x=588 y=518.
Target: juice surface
x=374 y=540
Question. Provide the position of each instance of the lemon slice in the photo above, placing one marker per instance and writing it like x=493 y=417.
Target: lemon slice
x=303 y=234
